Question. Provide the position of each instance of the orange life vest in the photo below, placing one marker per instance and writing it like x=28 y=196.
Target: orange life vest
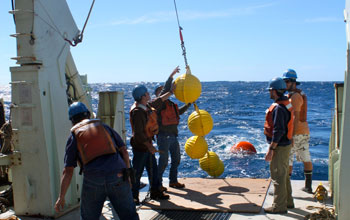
x=93 y=140
x=268 y=126
x=170 y=115
x=303 y=109
x=151 y=127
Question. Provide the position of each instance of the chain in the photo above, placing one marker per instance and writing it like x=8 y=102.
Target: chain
x=79 y=38
x=181 y=37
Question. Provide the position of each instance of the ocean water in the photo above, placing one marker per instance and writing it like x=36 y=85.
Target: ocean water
x=238 y=111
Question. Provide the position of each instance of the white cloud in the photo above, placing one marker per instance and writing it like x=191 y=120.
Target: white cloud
x=146 y=19
x=322 y=20
x=190 y=15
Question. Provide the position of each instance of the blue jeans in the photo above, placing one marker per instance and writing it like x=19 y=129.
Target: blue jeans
x=168 y=143
x=139 y=162
x=97 y=188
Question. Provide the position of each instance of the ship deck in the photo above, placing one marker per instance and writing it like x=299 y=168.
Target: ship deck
x=304 y=204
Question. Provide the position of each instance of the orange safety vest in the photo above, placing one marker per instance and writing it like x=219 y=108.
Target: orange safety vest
x=268 y=126
x=151 y=127
x=170 y=114
x=93 y=140
x=303 y=109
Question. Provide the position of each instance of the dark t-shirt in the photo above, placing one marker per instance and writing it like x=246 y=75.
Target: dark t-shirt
x=100 y=166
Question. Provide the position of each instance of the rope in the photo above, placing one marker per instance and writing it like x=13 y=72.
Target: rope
x=13 y=8
x=177 y=16
x=78 y=39
x=200 y=116
x=181 y=37
x=53 y=26
x=323 y=213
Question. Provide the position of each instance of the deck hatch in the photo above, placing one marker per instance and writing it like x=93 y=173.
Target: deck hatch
x=193 y=215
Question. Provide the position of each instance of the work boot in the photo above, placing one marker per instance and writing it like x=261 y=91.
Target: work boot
x=307 y=190
x=163 y=189
x=290 y=206
x=273 y=210
x=136 y=201
x=308 y=181
x=177 y=185
x=159 y=195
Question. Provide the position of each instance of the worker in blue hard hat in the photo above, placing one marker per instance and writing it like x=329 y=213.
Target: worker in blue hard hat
x=278 y=129
x=168 y=120
x=104 y=162
x=291 y=75
x=301 y=133
x=143 y=120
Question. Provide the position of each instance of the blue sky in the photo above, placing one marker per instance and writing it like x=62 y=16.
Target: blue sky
x=226 y=40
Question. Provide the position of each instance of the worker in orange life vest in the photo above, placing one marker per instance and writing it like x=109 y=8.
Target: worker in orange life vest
x=104 y=161
x=143 y=120
x=301 y=133
x=278 y=129
x=168 y=120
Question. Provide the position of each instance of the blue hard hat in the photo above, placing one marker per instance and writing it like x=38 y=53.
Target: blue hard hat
x=138 y=92
x=157 y=87
x=76 y=108
x=277 y=83
x=290 y=74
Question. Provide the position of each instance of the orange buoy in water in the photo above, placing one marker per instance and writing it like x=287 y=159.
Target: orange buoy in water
x=243 y=146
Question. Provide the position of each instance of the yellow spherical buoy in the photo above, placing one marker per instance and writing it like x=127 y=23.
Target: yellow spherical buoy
x=200 y=122
x=196 y=147
x=220 y=169
x=188 y=87
x=209 y=162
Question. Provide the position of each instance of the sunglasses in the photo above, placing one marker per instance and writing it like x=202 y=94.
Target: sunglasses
x=289 y=80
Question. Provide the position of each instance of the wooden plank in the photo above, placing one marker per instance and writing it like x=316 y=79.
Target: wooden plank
x=220 y=195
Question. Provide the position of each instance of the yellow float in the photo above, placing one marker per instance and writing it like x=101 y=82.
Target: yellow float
x=200 y=122
x=210 y=162
x=196 y=147
x=188 y=87
x=220 y=169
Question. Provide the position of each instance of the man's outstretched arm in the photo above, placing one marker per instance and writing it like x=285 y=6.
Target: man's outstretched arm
x=65 y=181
